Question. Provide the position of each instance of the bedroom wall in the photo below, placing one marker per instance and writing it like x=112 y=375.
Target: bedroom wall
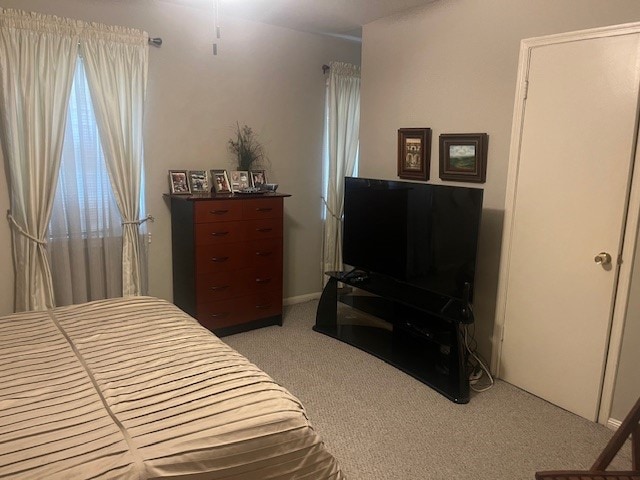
x=452 y=66
x=267 y=77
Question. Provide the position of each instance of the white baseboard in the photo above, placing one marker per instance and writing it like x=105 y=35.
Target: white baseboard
x=301 y=298
x=614 y=424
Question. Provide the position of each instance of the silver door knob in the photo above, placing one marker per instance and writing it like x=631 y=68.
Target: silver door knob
x=603 y=258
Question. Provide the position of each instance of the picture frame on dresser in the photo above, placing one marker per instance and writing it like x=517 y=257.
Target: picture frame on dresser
x=179 y=182
x=199 y=181
x=220 y=181
x=258 y=178
x=240 y=180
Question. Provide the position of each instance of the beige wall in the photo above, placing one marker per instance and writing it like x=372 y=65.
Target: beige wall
x=267 y=77
x=452 y=66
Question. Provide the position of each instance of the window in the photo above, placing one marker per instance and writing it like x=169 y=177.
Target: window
x=341 y=152
x=85 y=231
x=325 y=154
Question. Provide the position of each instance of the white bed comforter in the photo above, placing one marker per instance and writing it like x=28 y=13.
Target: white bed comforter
x=136 y=389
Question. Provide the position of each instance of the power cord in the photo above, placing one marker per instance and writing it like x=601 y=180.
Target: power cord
x=479 y=368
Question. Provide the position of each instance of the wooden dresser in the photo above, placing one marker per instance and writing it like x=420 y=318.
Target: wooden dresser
x=227 y=259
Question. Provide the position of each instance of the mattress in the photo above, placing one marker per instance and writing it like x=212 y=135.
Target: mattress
x=136 y=389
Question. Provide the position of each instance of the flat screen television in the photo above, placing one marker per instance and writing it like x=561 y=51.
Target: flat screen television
x=421 y=234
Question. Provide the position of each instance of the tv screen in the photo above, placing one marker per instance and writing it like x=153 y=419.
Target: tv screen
x=421 y=234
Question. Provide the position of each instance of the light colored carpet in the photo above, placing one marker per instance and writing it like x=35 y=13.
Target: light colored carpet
x=383 y=424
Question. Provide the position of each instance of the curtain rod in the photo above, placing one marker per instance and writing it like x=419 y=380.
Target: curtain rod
x=325 y=68
x=156 y=42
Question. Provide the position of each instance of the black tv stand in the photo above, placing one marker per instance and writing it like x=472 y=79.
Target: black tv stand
x=420 y=332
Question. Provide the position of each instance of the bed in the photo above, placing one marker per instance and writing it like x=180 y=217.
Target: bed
x=136 y=389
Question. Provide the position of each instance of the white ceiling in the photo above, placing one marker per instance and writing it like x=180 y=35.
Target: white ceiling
x=333 y=17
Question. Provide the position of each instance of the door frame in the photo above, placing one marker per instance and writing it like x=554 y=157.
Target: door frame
x=630 y=233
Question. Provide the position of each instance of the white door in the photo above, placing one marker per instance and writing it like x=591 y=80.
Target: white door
x=569 y=201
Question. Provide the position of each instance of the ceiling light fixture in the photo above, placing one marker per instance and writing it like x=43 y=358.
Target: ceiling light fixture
x=216 y=25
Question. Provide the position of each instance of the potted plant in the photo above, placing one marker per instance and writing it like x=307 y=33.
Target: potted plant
x=247 y=149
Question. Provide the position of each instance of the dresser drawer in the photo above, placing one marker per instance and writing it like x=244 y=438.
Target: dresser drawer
x=235 y=311
x=264 y=228
x=224 y=313
x=262 y=208
x=220 y=232
x=220 y=286
x=220 y=258
x=262 y=305
x=258 y=280
x=217 y=211
x=266 y=253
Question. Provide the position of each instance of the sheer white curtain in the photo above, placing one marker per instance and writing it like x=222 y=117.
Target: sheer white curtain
x=342 y=130
x=116 y=60
x=85 y=233
x=37 y=59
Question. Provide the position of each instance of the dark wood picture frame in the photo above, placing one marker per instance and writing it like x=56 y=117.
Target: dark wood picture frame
x=463 y=157
x=414 y=153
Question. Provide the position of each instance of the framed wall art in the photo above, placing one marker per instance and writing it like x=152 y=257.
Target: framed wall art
x=414 y=153
x=178 y=182
x=199 y=181
x=463 y=157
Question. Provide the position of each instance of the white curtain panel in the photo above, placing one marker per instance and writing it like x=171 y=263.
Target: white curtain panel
x=116 y=60
x=37 y=60
x=343 y=134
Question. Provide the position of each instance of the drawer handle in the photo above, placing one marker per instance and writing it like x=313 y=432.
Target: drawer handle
x=219 y=234
x=219 y=287
x=219 y=315
x=263 y=254
x=219 y=259
x=264 y=209
x=264 y=230
x=268 y=305
x=263 y=280
x=218 y=212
